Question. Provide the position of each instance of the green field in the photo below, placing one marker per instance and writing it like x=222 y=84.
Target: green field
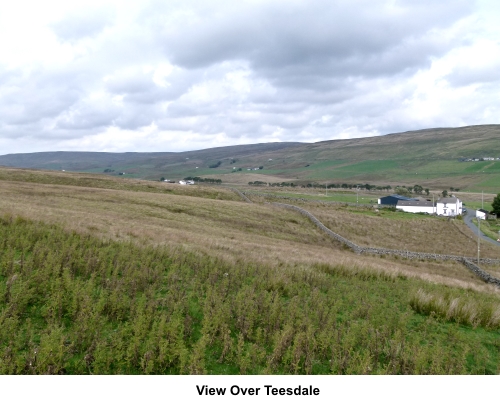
x=107 y=275
x=73 y=304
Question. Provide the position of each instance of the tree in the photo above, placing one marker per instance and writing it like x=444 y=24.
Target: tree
x=496 y=205
x=445 y=193
x=418 y=189
x=402 y=191
x=427 y=191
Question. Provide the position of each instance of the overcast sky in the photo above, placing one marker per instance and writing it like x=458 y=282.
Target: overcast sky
x=116 y=76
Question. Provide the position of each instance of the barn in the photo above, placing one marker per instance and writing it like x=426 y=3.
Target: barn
x=482 y=214
x=419 y=206
x=393 y=199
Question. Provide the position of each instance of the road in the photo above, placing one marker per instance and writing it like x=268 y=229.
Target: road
x=468 y=221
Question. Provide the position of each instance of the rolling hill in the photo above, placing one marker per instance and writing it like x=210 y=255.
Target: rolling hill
x=430 y=157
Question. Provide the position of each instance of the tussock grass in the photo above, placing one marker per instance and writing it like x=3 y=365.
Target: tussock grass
x=463 y=310
x=233 y=231
x=72 y=303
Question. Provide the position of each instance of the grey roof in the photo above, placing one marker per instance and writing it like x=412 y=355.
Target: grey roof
x=414 y=204
x=448 y=200
x=402 y=197
x=483 y=211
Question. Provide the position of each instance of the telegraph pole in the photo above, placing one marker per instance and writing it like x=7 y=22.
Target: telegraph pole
x=478 y=238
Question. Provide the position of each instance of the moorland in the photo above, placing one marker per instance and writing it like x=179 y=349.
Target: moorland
x=111 y=275
x=433 y=158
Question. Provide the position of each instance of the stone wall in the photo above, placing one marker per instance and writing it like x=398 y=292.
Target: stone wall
x=240 y=194
x=467 y=261
x=488 y=278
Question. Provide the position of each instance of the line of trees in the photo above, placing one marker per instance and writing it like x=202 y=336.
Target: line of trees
x=365 y=186
x=409 y=190
x=204 y=180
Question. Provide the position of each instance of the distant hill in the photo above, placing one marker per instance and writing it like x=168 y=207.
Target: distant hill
x=92 y=160
x=430 y=157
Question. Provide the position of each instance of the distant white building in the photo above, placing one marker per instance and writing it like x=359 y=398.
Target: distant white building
x=481 y=214
x=449 y=207
x=182 y=182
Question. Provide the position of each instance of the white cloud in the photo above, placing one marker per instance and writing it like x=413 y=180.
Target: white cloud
x=167 y=76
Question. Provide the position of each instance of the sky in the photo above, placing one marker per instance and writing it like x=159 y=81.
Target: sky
x=151 y=76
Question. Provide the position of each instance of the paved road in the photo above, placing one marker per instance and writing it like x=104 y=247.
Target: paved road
x=468 y=221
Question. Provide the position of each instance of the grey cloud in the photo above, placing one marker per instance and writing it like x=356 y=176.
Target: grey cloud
x=306 y=36
x=28 y=98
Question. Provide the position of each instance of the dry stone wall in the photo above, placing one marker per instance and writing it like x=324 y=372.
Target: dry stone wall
x=240 y=194
x=467 y=261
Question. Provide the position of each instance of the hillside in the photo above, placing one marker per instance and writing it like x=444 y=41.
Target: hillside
x=106 y=275
x=431 y=158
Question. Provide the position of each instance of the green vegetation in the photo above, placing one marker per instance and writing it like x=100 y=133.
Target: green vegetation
x=204 y=180
x=215 y=165
x=490 y=227
x=495 y=205
x=74 y=304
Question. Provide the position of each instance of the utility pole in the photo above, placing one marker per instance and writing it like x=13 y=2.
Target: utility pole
x=326 y=189
x=478 y=238
x=482 y=200
x=357 y=195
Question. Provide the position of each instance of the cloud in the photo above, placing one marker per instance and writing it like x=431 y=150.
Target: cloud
x=188 y=73
x=83 y=23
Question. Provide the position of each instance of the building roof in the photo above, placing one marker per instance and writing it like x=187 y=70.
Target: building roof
x=448 y=200
x=401 y=197
x=415 y=204
x=483 y=211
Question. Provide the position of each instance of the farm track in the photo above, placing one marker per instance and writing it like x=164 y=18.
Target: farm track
x=466 y=261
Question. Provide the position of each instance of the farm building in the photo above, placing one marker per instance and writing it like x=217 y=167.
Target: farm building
x=449 y=207
x=483 y=214
x=418 y=206
x=393 y=199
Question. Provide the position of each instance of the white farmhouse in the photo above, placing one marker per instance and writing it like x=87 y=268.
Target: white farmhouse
x=449 y=207
x=423 y=206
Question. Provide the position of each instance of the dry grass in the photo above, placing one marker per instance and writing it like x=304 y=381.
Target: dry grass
x=232 y=230
x=405 y=232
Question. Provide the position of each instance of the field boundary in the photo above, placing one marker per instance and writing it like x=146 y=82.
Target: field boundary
x=466 y=261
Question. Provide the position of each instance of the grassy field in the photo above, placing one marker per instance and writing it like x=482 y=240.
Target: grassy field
x=490 y=228
x=130 y=280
